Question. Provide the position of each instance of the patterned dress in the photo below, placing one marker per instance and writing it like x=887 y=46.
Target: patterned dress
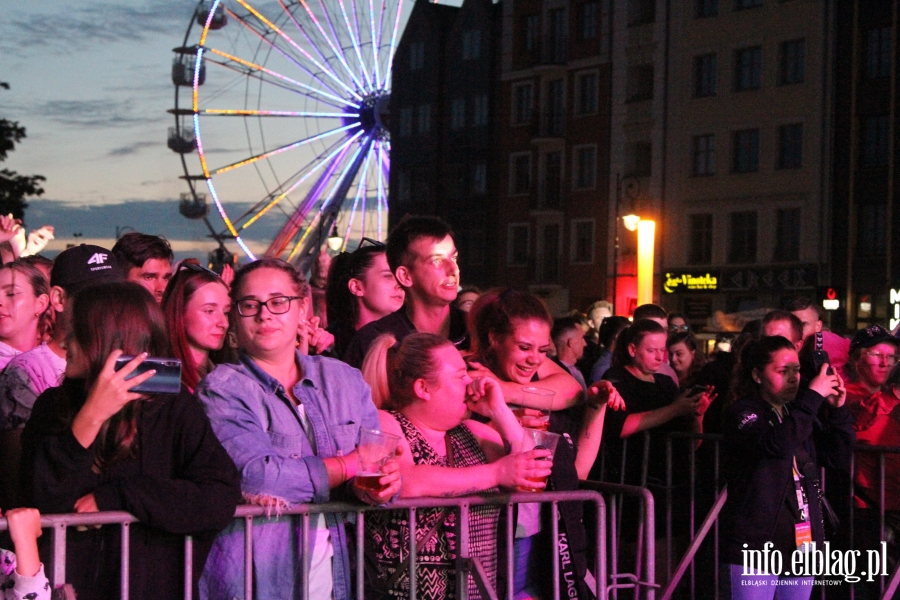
x=387 y=532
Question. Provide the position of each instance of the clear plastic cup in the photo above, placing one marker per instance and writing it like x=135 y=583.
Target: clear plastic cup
x=375 y=448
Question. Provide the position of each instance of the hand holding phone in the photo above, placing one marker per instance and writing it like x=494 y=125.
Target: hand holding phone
x=166 y=380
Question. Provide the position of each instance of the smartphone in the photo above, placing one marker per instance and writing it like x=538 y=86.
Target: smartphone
x=166 y=380
x=697 y=389
x=819 y=358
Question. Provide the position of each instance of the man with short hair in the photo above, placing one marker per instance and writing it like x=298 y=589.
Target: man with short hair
x=654 y=312
x=30 y=373
x=785 y=324
x=596 y=314
x=568 y=339
x=147 y=260
x=810 y=314
x=422 y=256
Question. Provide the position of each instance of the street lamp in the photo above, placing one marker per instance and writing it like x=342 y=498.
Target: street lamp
x=646 y=234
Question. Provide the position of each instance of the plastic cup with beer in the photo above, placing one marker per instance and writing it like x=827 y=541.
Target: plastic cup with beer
x=537 y=414
x=375 y=448
x=537 y=439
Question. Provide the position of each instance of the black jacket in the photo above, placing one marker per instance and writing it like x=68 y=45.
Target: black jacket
x=180 y=482
x=759 y=452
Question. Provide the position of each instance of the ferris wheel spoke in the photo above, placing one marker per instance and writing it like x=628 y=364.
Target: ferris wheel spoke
x=274 y=28
x=271 y=73
x=356 y=46
x=296 y=184
x=228 y=112
x=338 y=53
x=285 y=148
x=336 y=194
x=302 y=30
x=340 y=50
x=360 y=190
x=390 y=54
x=373 y=38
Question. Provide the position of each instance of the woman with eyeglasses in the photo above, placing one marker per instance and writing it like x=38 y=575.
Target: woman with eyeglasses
x=290 y=422
x=774 y=445
x=873 y=353
x=361 y=289
x=196 y=306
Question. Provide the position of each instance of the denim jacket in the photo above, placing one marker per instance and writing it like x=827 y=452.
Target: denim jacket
x=261 y=430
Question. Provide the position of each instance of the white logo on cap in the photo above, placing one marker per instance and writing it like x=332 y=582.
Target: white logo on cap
x=97 y=259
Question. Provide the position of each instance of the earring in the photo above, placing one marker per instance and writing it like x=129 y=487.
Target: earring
x=757 y=380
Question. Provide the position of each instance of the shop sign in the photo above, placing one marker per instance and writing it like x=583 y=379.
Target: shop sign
x=769 y=279
x=691 y=282
x=895 y=308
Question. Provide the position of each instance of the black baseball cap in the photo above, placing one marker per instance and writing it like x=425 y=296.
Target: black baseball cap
x=80 y=266
x=872 y=336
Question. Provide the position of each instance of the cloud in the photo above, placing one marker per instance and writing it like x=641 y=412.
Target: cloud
x=83 y=25
x=90 y=114
x=132 y=149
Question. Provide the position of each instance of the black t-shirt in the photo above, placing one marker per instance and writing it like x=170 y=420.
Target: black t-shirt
x=639 y=396
x=398 y=324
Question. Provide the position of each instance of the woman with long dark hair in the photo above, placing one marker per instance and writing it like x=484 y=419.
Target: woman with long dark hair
x=93 y=444
x=361 y=289
x=775 y=442
x=685 y=357
x=196 y=306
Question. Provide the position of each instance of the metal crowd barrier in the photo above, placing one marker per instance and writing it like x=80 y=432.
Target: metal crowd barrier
x=707 y=495
x=465 y=564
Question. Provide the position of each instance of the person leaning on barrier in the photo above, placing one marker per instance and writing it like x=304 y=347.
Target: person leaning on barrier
x=773 y=447
x=92 y=445
x=444 y=454
x=290 y=422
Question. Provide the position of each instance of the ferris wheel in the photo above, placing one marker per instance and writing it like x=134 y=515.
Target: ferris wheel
x=281 y=117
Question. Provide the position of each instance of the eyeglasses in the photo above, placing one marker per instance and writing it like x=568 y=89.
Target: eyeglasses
x=878 y=358
x=675 y=328
x=277 y=305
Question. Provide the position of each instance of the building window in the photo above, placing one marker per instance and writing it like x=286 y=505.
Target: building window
x=787 y=235
x=551 y=196
x=455 y=181
x=479 y=179
x=416 y=56
x=704 y=152
x=742 y=245
x=640 y=83
x=471 y=44
x=746 y=151
x=792 y=67
x=875 y=142
x=706 y=75
x=406 y=121
x=872 y=233
x=557 y=45
x=586 y=93
x=424 y=118
x=641 y=159
x=555 y=119
x=743 y=4
x=747 y=68
x=790 y=146
x=480 y=118
x=581 y=250
x=549 y=253
x=701 y=236
x=458 y=113
x=523 y=103
x=589 y=20
x=878 y=52
x=585 y=175
x=532 y=31
x=641 y=11
x=517 y=245
x=707 y=8
x=520 y=173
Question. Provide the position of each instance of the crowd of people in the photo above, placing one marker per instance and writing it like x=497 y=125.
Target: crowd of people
x=278 y=379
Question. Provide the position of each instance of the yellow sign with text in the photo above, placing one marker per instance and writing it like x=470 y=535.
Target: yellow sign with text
x=690 y=282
